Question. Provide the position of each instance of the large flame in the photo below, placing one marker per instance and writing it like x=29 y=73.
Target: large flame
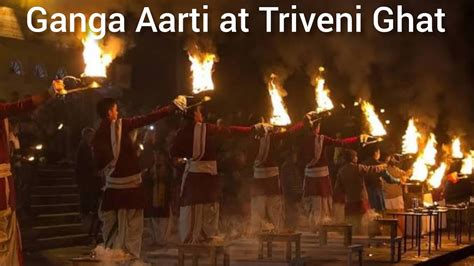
x=202 y=66
x=466 y=168
x=410 y=139
x=425 y=159
x=420 y=170
x=456 y=149
x=429 y=152
x=94 y=57
x=438 y=175
x=280 y=115
x=323 y=101
x=376 y=127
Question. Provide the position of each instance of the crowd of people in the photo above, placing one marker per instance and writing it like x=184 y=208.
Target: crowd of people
x=181 y=174
x=176 y=178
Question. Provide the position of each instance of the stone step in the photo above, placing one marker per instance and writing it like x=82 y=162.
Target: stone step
x=60 y=181
x=55 y=208
x=58 y=242
x=54 y=199
x=55 y=172
x=55 y=189
x=57 y=219
x=58 y=230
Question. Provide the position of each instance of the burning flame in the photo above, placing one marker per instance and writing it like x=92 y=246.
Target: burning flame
x=429 y=153
x=323 y=101
x=420 y=170
x=438 y=175
x=94 y=57
x=376 y=127
x=202 y=65
x=410 y=139
x=280 y=115
x=426 y=159
x=466 y=168
x=456 y=149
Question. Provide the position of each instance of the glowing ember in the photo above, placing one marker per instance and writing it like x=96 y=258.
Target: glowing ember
x=410 y=139
x=429 y=153
x=94 y=57
x=420 y=170
x=323 y=101
x=280 y=115
x=456 y=149
x=202 y=66
x=466 y=168
x=376 y=127
x=437 y=177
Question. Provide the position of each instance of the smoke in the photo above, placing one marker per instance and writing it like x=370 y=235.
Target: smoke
x=427 y=76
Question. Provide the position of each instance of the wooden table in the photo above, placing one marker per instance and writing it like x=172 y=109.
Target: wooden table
x=197 y=250
x=345 y=228
x=288 y=238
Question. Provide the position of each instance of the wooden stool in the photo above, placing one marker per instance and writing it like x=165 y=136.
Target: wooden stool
x=394 y=240
x=287 y=238
x=345 y=228
x=196 y=250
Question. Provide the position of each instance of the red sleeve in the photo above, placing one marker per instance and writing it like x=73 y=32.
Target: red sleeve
x=10 y=109
x=229 y=130
x=141 y=121
x=340 y=142
x=292 y=130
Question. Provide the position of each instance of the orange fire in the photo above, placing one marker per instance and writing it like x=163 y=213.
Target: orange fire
x=94 y=57
x=323 y=101
x=375 y=126
x=438 y=175
x=420 y=170
x=467 y=165
x=456 y=149
x=410 y=139
x=429 y=153
x=202 y=66
x=425 y=159
x=280 y=115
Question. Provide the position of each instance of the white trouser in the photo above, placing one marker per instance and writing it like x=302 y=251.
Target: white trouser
x=338 y=212
x=123 y=229
x=318 y=209
x=157 y=230
x=10 y=241
x=266 y=206
x=198 y=222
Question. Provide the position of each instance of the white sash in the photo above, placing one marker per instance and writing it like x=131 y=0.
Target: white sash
x=318 y=149
x=265 y=172
x=132 y=181
x=316 y=171
x=195 y=165
x=263 y=149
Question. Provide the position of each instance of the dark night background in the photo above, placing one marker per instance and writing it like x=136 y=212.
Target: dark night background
x=429 y=76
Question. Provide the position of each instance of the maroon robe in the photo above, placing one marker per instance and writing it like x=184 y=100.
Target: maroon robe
x=321 y=186
x=7 y=200
x=127 y=163
x=271 y=186
x=7 y=110
x=202 y=188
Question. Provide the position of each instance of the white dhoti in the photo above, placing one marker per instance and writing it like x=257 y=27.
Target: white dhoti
x=319 y=210
x=10 y=240
x=198 y=222
x=266 y=213
x=122 y=230
x=158 y=230
x=338 y=212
